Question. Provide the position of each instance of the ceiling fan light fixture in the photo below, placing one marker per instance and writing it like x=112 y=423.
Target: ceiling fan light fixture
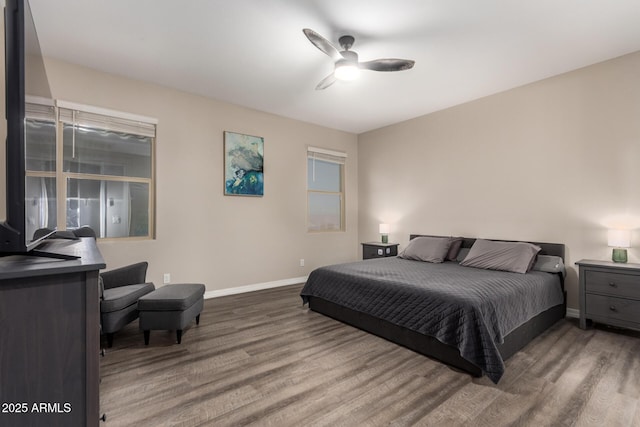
x=346 y=64
x=347 y=71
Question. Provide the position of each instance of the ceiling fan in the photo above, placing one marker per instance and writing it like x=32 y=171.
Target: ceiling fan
x=347 y=66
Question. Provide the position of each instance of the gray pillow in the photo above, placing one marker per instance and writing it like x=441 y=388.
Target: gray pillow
x=429 y=249
x=549 y=264
x=462 y=254
x=517 y=257
x=454 y=249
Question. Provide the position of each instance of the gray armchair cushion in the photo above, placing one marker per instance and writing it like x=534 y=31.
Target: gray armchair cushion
x=101 y=287
x=84 y=231
x=130 y=275
x=115 y=299
x=41 y=232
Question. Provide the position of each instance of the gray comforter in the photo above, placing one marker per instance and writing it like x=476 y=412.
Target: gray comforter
x=468 y=308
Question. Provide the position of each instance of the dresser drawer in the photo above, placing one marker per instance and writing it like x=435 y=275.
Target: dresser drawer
x=604 y=307
x=609 y=283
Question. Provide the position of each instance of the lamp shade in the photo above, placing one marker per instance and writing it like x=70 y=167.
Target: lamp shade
x=619 y=238
x=384 y=228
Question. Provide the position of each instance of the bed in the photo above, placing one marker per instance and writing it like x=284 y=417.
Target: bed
x=470 y=318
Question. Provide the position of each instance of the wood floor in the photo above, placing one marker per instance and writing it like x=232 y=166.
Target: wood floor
x=262 y=359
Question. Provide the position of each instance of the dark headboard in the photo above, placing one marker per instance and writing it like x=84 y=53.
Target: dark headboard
x=556 y=249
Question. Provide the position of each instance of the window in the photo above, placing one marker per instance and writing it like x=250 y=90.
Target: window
x=40 y=160
x=325 y=190
x=104 y=171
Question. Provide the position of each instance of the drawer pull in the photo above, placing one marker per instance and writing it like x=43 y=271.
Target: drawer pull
x=613 y=285
x=613 y=308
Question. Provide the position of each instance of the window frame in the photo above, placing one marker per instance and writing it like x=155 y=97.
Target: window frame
x=340 y=158
x=114 y=121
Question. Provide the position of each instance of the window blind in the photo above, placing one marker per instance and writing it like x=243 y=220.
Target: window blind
x=45 y=113
x=332 y=156
x=92 y=117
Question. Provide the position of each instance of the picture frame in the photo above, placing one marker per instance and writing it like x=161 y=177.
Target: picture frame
x=243 y=165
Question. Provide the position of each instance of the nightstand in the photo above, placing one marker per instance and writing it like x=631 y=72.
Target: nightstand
x=609 y=293
x=379 y=250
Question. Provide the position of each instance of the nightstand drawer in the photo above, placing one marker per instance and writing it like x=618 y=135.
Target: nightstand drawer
x=613 y=308
x=379 y=250
x=617 y=284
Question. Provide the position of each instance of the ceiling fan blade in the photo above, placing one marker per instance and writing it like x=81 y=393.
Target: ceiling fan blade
x=326 y=82
x=323 y=44
x=388 y=64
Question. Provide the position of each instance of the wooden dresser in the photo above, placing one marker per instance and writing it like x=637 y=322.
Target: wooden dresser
x=50 y=337
x=609 y=293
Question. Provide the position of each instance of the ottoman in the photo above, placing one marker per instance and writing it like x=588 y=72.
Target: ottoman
x=170 y=307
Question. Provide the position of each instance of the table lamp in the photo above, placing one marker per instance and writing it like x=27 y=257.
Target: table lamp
x=619 y=240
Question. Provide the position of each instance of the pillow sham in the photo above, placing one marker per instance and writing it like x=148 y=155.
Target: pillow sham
x=549 y=264
x=517 y=257
x=462 y=254
x=429 y=249
x=456 y=244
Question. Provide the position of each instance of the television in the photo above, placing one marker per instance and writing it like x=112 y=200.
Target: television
x=25 y=80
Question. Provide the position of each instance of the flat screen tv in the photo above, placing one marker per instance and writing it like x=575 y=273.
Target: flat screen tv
x=25 y=78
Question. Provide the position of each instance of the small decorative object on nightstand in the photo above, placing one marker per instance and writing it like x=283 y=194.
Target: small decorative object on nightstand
x=384 y=231
x=619 y=240
x=609 y=293
x=379 y=250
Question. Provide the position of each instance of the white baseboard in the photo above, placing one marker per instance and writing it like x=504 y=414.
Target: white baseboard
x=572 y=312
x=255 y=287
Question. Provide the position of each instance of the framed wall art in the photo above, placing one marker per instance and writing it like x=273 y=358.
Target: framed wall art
x=243 y=165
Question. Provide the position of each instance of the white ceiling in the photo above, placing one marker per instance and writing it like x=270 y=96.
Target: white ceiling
x=253 y=52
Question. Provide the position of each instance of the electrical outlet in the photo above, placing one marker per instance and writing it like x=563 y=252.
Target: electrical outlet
x=301 y=262
x=167 y=278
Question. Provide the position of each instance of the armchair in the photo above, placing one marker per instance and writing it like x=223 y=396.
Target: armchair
x=119 y=292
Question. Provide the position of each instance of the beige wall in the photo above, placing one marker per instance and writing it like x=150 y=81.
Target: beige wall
x=202 y=235
x=553 y=161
